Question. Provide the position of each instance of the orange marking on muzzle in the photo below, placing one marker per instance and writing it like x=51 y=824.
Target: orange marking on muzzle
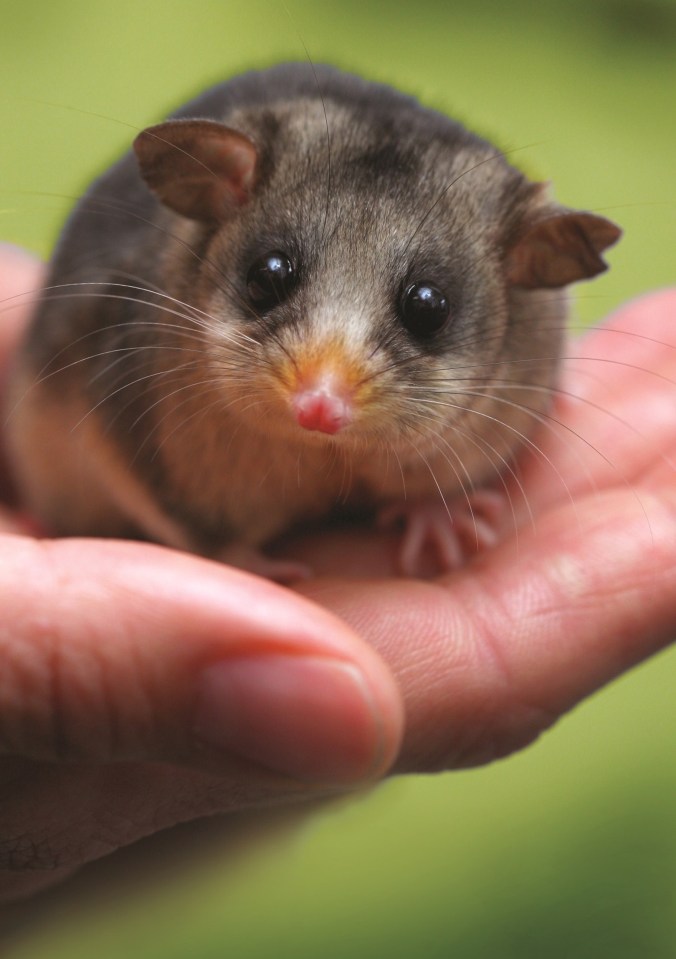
x=323 y=386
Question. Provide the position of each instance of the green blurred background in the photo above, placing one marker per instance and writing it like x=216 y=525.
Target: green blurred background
x=568 y=850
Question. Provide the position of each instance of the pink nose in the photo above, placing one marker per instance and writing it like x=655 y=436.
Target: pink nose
x=322 y=411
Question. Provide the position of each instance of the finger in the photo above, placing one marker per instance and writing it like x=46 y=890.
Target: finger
x=640 y=335
x=11 y=522
x=20 y=276
x=615 y=418
x=495 y=655
x=118 y=651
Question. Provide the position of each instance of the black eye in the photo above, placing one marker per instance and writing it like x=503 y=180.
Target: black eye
x=424 y=309
x=270 y=279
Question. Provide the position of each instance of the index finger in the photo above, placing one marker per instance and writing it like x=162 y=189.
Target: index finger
x=614 y=418
x=21 y=275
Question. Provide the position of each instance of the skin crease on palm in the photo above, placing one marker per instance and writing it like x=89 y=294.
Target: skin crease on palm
x=117 y=657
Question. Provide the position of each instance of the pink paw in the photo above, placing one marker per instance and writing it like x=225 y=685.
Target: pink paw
x=253 y=560
x=451 y=532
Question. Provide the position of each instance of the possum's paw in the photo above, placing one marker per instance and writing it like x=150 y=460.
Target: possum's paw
x=451 y=532
x=252 y=560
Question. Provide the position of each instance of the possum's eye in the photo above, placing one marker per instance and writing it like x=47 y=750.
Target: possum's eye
x=424 y=309
x=270 y=280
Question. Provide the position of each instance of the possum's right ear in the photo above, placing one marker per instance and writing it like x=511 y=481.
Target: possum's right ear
x=558 y=246
x=199 y=168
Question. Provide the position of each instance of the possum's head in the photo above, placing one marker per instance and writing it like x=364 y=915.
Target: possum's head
x=370 y=272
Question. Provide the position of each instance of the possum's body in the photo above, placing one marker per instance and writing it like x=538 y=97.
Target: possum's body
x=188 y=390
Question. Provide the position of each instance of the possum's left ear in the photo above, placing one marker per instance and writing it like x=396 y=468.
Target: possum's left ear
x=559 y=247
x=198 y=168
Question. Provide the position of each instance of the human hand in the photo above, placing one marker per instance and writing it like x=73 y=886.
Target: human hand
x=490 y=656
x=485 y=658
x=142 y=687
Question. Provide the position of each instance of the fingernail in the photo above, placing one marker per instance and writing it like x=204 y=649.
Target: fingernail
x=308 y=718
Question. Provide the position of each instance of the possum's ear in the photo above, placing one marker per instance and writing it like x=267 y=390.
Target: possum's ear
x=559 y=247
x=199 y=168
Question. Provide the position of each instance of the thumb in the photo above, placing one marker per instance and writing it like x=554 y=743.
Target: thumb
x=118 y=651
